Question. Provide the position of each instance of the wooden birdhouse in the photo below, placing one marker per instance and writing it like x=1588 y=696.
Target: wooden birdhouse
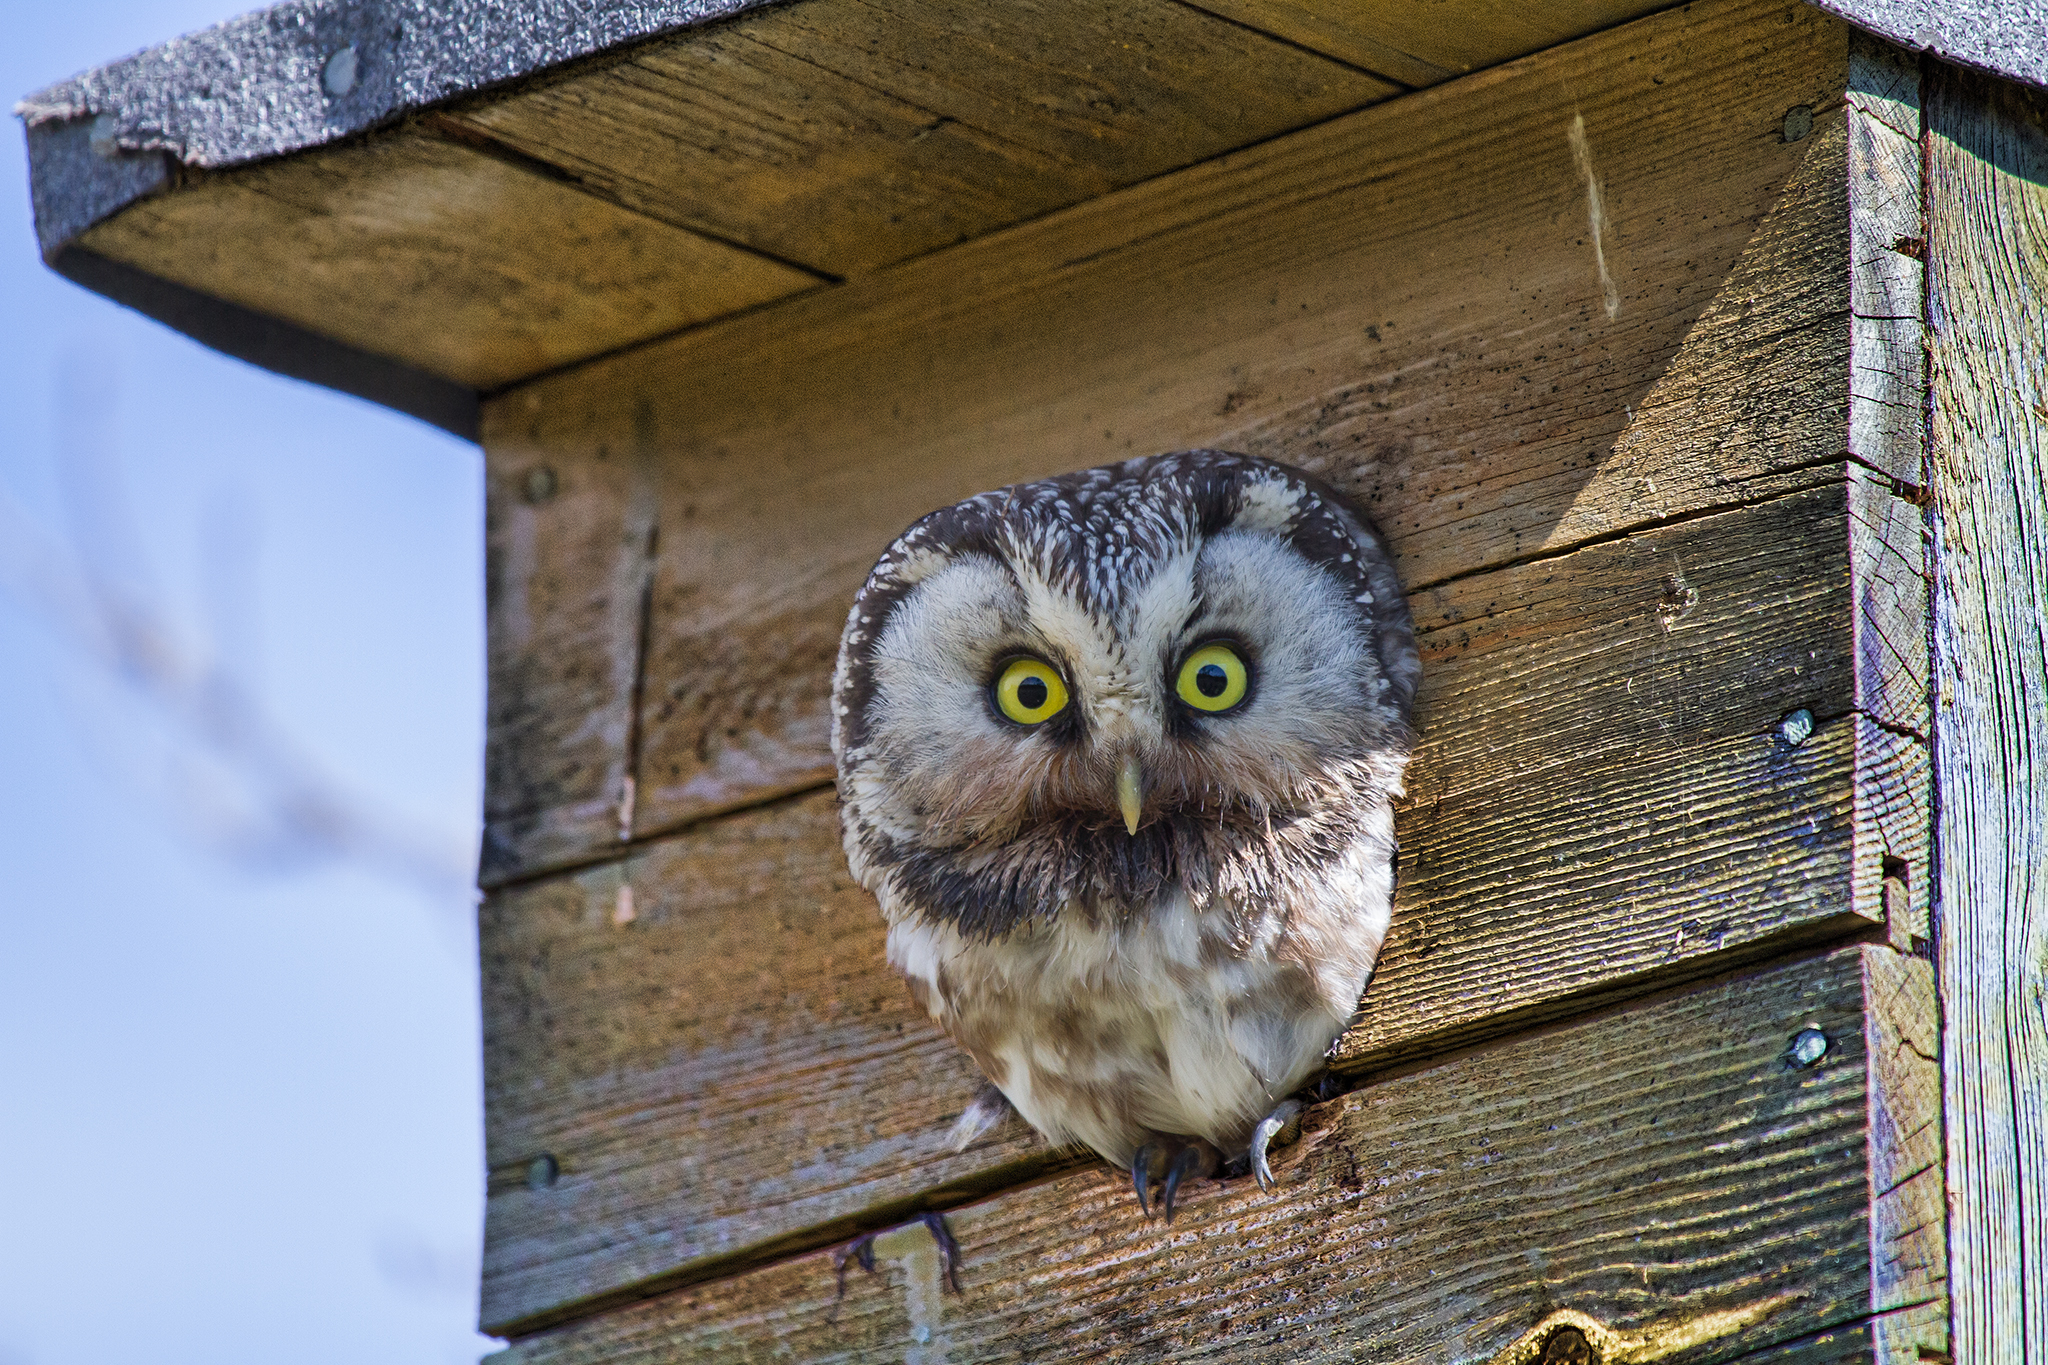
x=1694 y=363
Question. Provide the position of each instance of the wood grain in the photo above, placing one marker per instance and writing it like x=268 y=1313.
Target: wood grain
x=704 y=1039
x=439 y=256
x=1422 y=45
x=734 y=1066
x=1404 y=300
x=1908 y=1213
x=1888 y=276
x=1888 y=381
x=1652 y=506
x=1605 y=789
x=848 y=136
x=1888 y=531
x=568 y=561
x=1987 y=251
x=1649 y=1168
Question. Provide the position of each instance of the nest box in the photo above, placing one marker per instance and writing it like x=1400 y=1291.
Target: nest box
x=1692 y=359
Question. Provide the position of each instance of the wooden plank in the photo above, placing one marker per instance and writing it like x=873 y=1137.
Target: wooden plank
x=848 y=136
x=1583 y=809
x=569 y=546
x=1888 y=532
x=442 y=257
x=1987 y=255
x=1424 y=44
x=1405 y=301
x=702 y=1043
x=1131 y=90
x=1856 y=1342
x=1664 y=1170
x=1908 y=1248
x=711 y=1088
x=1887 y=247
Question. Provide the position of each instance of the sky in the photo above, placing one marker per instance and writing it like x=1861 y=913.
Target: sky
x=240 y=1098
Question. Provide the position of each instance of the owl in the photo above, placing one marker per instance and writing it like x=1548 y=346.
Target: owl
x=1116 y=755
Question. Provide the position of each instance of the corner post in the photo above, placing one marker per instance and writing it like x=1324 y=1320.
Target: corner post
x=1986 y=178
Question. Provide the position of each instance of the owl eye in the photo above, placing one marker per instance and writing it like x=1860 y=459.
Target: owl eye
x=1214 y=678
x=1029 y=691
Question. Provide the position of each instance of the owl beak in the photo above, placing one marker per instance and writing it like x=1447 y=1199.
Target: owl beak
x=1130 y=792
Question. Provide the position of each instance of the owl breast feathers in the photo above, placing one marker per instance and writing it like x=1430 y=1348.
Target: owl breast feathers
x=1116 y=754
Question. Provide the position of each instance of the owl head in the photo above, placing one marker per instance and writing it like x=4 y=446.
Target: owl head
x=1186 y=673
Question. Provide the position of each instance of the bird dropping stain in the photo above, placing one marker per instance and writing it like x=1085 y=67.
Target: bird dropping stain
x=924 y=1298
x=1596 y=212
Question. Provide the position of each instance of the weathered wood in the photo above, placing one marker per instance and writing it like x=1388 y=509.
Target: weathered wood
x=1887 y=246
x=1296 y=300
x=711 y=1087
x=1664 y=1169
x=1894 y=811
x=705 y=1042
x=569 y=547
x=1606 y=788
x=1908 y=1252
x=1888 y=383
x=437 y=255
x=1887 y=485
x=1888 y=547
x=1854 y=1343
x=1986 y=162
x=1422 y=44
x=848 y=136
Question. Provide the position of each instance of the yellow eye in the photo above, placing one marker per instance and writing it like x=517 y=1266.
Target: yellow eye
x=1029 y=691
x=1213 y=679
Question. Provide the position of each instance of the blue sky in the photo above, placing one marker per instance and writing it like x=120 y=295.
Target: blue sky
x=240 y=1105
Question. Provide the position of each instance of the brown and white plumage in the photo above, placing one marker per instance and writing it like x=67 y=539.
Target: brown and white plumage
x=1145 y=921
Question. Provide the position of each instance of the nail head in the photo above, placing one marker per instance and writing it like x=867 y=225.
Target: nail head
x=338 y=75
x=542 y=1171
x=1795 y=727
x=1809 y=1045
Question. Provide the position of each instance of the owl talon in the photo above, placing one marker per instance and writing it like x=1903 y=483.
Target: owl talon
x=861 y=1252
x=1197 y=1158
x=1141 y=1177
x=1285 y=1113
x=1177 y=1159
x=949 y=1250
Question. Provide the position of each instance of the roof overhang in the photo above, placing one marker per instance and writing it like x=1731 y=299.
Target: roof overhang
x=422 y=203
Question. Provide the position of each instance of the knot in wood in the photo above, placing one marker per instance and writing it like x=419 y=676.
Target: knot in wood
x=1567 y=1346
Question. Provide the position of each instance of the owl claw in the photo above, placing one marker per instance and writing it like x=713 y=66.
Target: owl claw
x=861 y=1251
x=949 y=1249
x=1141 y=1177
x=1197 y=1158
x=1183 y=1157
x=1262 y=1136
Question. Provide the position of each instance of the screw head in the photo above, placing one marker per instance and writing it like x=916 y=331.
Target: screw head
x=338 y=75
x=1795 y=727
x=542 y=1171
x=538 y=485
x=1809 y=1045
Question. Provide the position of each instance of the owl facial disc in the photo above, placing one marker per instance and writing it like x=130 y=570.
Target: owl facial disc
x=1186 y=670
